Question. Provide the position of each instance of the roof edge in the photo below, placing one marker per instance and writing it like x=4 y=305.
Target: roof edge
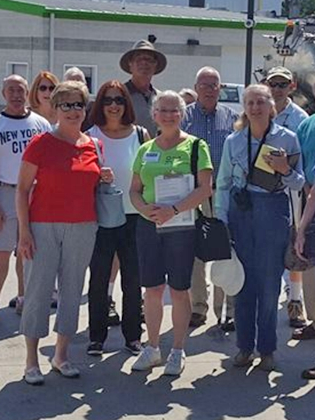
x=43 y=11
x=24 y=8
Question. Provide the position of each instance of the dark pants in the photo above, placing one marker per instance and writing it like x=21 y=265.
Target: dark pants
x=261 y=236
x=168 y=253
x=108 y=241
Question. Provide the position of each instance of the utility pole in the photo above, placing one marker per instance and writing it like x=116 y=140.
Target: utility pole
x=249 y=25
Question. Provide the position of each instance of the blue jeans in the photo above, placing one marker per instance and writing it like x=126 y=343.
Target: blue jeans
x=261 y=235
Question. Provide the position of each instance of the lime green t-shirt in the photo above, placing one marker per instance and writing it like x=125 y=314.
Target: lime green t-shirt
x=152 y=161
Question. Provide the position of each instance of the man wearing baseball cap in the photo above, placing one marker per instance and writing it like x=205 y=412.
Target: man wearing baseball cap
x=143 y=61
x=289 y=115
x=281 y=82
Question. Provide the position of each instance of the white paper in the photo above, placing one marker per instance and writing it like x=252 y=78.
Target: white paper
x=171 y=189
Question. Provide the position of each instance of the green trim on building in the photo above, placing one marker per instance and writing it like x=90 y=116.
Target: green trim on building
x=25 y=8
x=42 y=11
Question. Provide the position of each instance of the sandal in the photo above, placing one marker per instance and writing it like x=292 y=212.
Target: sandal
x=33 y=376
x=306 y=333
x=66 y=369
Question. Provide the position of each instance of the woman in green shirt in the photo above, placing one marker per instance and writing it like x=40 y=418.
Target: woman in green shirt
x=166 y=254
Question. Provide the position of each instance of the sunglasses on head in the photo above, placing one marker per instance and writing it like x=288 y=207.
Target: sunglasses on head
x=281 y=85
x=67 y=106
x=108 y=100
x=43 y=88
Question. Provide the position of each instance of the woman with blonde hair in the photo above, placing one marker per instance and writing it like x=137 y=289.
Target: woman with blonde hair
x=167 y=256
x=40 y=93
x=57 y=226
x=258 y=218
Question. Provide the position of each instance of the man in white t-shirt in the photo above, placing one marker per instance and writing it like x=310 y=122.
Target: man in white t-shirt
x=17 y=126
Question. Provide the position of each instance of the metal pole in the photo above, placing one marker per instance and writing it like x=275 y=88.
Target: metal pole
x=249 y=24
x=51 y=42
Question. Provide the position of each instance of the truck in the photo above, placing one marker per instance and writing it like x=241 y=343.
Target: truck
x=295 y=49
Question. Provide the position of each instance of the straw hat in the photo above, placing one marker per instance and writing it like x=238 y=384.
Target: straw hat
x=143 y=46
x=228 y=274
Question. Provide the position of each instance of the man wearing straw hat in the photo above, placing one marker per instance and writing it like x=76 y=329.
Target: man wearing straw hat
x=143 y=61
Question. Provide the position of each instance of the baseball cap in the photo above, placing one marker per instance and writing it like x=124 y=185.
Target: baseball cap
x=281 y=72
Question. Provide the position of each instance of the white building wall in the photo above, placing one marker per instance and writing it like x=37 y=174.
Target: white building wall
x=223 y=49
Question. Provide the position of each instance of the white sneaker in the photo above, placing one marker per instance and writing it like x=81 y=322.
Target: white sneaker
x=148 y=358
x=175 y=363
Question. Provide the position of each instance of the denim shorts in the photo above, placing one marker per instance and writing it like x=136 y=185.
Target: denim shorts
x=165 y=257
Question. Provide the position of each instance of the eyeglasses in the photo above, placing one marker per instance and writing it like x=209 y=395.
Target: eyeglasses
x=281 y=85
x=212 y=86
x=108 y=100
x=168 y=111
x=43 y=88
x=67 y=106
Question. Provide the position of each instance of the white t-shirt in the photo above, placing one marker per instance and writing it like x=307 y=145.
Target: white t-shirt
x=15 y=134
x=119 y=155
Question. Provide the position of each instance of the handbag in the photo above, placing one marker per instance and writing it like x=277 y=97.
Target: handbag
x=212 y=236
x=109 y=200
x=291 y=260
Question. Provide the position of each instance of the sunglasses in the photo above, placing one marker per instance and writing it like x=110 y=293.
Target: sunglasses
x=67 y=106
x=281 y=85
x=108 y=100
x=43 y=88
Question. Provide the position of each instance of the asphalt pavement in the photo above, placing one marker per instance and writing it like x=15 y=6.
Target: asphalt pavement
x=210 y=388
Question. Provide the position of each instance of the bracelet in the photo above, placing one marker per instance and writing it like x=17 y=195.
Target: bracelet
x=176 y=211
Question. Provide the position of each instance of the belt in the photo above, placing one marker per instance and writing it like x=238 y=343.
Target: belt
x=5 y=184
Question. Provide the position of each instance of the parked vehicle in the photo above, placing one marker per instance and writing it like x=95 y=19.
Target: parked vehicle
x=231 y=94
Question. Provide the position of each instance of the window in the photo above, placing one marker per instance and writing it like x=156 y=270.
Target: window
x=229 y=94
x=90 y=73
x=17 y=68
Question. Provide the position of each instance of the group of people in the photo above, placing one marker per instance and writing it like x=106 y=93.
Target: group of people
x=49 y=141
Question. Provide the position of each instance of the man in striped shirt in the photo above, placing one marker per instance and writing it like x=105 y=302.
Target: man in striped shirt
x=209 y=120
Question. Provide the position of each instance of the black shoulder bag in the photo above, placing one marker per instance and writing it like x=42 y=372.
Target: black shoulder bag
x=212 y=236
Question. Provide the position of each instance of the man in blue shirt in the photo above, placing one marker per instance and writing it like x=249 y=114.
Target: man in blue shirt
x=306 y=133
x=209 y=120
x=289 y=115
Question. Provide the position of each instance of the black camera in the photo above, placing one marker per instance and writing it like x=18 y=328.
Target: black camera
x=242 y=199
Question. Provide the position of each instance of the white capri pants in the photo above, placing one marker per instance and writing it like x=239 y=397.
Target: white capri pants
x=63 y=250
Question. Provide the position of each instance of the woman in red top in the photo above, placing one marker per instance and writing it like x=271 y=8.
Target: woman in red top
x=57 y=225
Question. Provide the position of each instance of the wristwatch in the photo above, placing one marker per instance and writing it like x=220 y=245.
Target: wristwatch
x=175 y=210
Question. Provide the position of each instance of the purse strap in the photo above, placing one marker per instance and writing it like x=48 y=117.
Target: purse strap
x=194 y=170
x=194 y=161
x=98 y=152
x=140 y=134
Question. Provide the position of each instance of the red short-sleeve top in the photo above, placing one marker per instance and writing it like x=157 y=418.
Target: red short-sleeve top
x=66 y=179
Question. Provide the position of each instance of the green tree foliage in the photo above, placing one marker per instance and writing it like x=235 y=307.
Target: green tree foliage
x=285 y=8
x=307 y=7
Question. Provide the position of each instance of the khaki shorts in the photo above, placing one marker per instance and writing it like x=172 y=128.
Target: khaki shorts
x=8 y=234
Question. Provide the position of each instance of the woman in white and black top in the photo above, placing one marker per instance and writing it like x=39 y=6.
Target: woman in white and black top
x=113 y=117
